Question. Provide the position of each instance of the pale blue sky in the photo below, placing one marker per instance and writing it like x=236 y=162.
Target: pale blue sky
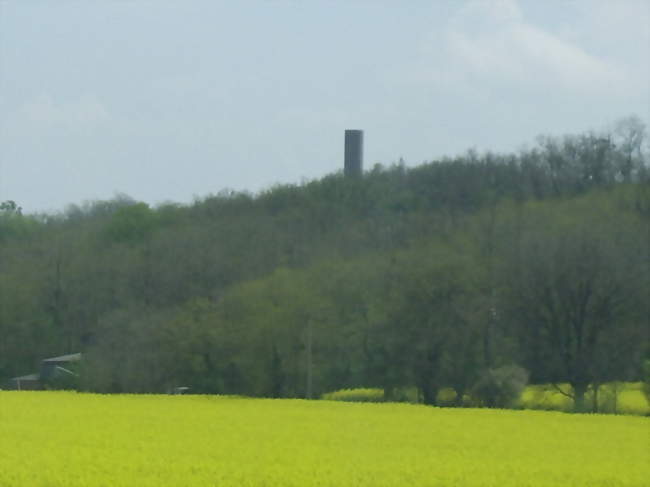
x=167 y=100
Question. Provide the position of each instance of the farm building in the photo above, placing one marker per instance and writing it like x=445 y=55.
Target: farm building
x=25 y=383
x=51 y=369
x=54 y=367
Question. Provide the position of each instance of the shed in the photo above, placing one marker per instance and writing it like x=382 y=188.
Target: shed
x=29 y=382
x=56 y=366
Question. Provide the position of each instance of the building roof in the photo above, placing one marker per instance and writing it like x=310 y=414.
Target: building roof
x=26 y=377
x=73 y=357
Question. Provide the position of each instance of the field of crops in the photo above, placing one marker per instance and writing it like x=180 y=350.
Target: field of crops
x=58 y=439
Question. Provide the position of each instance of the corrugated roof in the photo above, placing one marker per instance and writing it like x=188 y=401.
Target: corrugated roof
x=26 y=377
x=73 y=357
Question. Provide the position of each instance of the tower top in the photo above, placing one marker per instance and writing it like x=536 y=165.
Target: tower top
x=353 y=148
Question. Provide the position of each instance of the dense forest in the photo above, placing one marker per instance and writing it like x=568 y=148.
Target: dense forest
x=425 y=277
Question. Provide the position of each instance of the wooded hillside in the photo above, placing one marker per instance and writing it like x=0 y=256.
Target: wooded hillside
x=427 y=276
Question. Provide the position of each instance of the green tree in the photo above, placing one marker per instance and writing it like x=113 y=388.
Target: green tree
x=10 y=207
x=576 y=286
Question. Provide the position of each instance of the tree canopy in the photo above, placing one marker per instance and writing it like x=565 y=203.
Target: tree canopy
x=427 y=276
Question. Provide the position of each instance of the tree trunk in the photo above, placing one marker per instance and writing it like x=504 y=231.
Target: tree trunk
x=430 y=395
x=389 y=393
x=594 y=407
x=579 y=392
x=458 y=401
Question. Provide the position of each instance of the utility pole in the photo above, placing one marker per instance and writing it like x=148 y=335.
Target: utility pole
x=310 y=378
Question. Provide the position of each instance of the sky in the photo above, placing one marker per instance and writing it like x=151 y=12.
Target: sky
x=169 y=101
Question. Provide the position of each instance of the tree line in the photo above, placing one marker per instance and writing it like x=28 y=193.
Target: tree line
x=427 y=277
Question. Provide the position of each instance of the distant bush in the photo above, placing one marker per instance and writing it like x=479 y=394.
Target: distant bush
x=446 y=396
x=500 y=387
x=355 y=395
x=545 y=397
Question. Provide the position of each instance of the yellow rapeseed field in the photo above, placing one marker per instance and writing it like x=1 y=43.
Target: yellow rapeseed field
x=56 y=439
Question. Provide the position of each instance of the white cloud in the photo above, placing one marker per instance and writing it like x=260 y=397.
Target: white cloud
x=491 y=42
x=628 y=20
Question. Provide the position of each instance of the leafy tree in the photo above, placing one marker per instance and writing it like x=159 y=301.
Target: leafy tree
x=10 y=207
x=575 y=288
x=132 y=223
x=424 y=313
x=500 y=387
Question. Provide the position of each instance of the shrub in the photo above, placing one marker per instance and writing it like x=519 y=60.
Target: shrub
x=406 y=394
x=500 y=387
x=355 y=395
